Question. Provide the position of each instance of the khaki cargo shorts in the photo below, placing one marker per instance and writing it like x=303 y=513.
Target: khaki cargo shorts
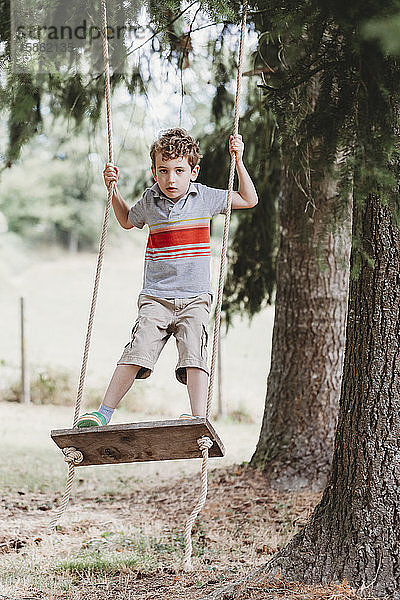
x=184 y=318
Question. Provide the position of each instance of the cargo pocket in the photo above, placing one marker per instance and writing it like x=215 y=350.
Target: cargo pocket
x=133 y=334
x=204 y=342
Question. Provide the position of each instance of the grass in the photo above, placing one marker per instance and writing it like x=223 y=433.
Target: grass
x=57 y=288
x=117 y=552
x=88 y=563
x=127 y=520
x=122 y=536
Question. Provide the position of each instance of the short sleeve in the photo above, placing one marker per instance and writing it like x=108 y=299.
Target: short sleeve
x=136 y=214
x=215 y=199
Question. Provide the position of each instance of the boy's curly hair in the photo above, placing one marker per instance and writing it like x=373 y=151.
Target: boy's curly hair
x=174 y=143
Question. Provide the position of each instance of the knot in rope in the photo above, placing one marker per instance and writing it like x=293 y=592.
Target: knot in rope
x=204 y=443
x=72 y=455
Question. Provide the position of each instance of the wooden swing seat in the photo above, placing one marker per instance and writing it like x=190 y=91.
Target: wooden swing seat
x=139 y=442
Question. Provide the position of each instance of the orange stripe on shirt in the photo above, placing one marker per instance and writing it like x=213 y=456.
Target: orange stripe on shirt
x=175 y=256
x=163 y=229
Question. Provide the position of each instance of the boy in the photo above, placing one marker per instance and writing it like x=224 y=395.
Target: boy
x=176 y=296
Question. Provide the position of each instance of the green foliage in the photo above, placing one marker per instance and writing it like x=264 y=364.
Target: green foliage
x=55 y=192
x=77 y=90
x=24 y=100
x=74 y=96
x=162 y=12
x=47 y=386
x=223 y=10
x=223 y=69
x=251 y=276
x=332 y=90
x=5 y=31
x=60 y=206
x=386 y=31
x=333 y=94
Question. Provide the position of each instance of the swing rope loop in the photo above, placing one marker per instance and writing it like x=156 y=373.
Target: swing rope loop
x=72 y=455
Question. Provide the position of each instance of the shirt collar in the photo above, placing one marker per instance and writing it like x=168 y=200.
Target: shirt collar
x=158 y=193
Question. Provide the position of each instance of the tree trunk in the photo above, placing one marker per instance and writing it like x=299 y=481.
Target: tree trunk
x=296 y=440
x=354 y=533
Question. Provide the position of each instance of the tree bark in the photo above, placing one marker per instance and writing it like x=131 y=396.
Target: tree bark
x=296 y=440
x=354 y=533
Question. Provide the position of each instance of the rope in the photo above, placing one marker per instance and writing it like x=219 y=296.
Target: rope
x=105 y=222
x=204 y=444
x=73 y=457
x=217 y=323
x=224 y=246
x=73 y=462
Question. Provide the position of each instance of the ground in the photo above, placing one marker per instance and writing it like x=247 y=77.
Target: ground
x=129 y=544
x=122 y=535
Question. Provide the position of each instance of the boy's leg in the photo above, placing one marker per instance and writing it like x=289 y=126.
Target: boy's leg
x=191 y=339
x=120 y=383
x=197 y=385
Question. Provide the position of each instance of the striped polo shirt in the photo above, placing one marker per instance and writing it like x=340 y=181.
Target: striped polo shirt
x=177 y=259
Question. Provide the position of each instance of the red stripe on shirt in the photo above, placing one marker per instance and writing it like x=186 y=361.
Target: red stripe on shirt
x=179 y=237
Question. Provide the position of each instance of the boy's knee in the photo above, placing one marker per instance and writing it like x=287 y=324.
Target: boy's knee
x=134 y=371
x=196 y=373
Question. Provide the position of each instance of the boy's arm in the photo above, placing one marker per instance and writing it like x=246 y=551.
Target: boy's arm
x=121 y=208
x=246 y=196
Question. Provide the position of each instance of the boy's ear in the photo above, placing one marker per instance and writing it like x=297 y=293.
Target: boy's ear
x=194 y=173
x=153 y=171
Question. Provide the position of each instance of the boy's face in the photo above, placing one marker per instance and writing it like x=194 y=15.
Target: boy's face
x=174 y=175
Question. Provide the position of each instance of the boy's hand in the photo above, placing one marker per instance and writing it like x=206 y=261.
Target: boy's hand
x=110 y=174
x=236 y=145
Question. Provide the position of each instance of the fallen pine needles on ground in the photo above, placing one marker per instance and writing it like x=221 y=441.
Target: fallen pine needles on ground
x=128 y=544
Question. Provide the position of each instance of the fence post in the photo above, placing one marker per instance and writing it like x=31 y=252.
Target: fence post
x=25 y=380
x=221 y=410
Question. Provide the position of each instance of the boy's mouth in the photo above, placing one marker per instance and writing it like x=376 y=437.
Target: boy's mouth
x=172 y=189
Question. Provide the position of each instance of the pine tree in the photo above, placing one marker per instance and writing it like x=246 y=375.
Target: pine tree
x=353 y=533
x=296 y=440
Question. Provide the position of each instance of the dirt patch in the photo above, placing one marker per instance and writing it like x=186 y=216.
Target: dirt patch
x=129 y=545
